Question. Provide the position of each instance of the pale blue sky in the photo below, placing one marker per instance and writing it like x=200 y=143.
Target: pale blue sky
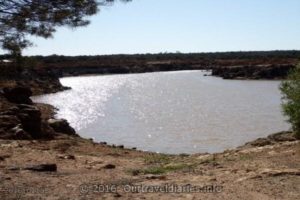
x=152 y=26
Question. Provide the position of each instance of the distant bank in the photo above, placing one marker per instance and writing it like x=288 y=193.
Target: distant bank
x=41 y=73
x=282 y=61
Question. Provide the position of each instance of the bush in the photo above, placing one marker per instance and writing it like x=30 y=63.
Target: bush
x=290 y=89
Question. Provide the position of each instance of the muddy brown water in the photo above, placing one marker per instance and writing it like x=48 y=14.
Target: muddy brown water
x=170 y=112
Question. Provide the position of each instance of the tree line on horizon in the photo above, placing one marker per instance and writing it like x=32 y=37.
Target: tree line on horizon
x=288 y=55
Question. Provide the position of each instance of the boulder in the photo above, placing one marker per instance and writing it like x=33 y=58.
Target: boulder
x=8 y=121
x=11 y=128
x=253 y=71
x=260 y=142
x=282 y=136
x=19 y=134
x=21 y=122
x=61 y=126
x=30 y=117
x=10 y=111
x=19 y=95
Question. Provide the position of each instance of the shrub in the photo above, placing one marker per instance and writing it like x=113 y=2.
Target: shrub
x=290 y=89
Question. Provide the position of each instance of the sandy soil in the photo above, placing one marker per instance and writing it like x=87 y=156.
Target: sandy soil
x=86 y=170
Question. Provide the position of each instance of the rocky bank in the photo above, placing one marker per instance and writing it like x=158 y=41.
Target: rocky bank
x=275 y=71
x=253 y=71
x=43 y=158
x=21 y=119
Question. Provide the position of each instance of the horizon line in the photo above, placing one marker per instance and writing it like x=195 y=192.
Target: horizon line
x=165 y=52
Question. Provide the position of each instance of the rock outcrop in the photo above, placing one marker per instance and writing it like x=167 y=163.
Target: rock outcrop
x=11 y=128
x=22 y=122
x=283 y=136
x=253 y=71
x=61 y=126
x=30 y=117
x=20 y=119
x=40 y=81
x=25 y=121
x=19 y=95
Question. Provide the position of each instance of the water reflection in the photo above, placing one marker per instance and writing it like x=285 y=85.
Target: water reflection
x=170 y=112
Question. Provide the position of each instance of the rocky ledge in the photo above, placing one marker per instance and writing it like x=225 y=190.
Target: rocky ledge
x=253 y=71
x=21 y=119
x=40 y=81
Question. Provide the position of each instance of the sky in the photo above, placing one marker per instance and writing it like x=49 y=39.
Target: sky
x=154 y=26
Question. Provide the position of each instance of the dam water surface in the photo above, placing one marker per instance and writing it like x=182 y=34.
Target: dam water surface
x=170 y=112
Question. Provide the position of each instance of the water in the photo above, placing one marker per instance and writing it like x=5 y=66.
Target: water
x=170 y=112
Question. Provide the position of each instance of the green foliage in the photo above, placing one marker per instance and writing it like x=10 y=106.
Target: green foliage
x=160 y=169
x=157 y=158
x=245 y=157
x=290 y=89
x=19 y=18
x=166 y=168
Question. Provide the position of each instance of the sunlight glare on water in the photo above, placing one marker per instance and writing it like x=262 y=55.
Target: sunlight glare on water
x=170 y=112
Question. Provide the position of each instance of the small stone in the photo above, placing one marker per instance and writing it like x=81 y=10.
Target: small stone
x=135 y=172
x=213 y=179
x=42 y=168
x=152 y=177
x=14 y=168
x=109 y=166
x=117 y=195
x=69 y=157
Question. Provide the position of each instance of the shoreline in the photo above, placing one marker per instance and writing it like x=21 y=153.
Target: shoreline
x=61 y=162
x=238 y=173
x=242 y=72
x=120 y=144
x=48 y=111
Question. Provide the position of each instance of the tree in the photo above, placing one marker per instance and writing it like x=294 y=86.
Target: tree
x=290 y=89
x=20 y=18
